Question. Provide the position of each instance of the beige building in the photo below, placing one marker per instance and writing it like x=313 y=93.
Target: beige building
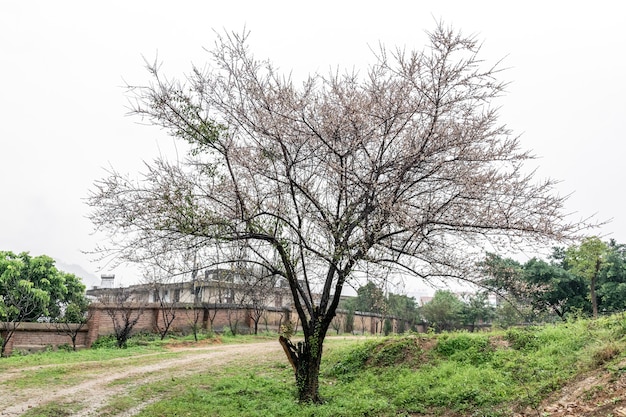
x=214 y=287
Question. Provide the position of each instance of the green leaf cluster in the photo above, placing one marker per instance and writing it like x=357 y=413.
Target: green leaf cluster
x=568 y=284
x=32 y=288
x=371 y=298
x=444 y=311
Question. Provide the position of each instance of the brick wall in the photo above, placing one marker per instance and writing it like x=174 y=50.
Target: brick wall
x=38 y=336
x=32 y=337
x=151 y=319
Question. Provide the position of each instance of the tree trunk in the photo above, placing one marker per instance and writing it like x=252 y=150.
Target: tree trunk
x=4 y=343
x=594 y=298
x=305 y=358
x=307 y=373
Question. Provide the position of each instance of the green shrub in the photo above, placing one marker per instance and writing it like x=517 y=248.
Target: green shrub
x=66 y=347
x=105 y=342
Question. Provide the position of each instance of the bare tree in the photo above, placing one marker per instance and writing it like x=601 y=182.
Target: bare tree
x=336 y=324
x=259 y=287
x=74 y=319
x=216 y=297
x=124 y=313
x=195 y=312
x=362 y=318
x=159 y=282
x=404 y=166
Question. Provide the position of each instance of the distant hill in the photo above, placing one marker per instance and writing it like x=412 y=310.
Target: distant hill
x=88 y=278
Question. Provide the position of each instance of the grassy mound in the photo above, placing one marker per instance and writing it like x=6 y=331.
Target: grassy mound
x=489 y=374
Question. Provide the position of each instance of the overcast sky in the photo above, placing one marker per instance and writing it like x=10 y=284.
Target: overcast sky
x=63 y=65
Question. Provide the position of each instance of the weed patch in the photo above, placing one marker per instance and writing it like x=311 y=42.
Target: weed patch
x=53 y=410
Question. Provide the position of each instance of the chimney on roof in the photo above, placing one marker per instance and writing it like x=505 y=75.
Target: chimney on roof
x=106 y=280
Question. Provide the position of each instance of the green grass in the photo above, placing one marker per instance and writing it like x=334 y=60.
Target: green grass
x=488 y=374
x=53 y=410
x=68 y=357
x=474 y=374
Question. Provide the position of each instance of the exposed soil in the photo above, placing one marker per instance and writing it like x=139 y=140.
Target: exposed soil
x=599 y=393
x=101 y=381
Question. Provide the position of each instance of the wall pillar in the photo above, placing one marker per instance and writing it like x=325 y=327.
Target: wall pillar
x=93 y=324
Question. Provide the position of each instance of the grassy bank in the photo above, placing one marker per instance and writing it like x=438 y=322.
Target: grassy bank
x=485 y=374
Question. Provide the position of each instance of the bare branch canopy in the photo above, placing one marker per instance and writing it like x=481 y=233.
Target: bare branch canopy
x=404 y=166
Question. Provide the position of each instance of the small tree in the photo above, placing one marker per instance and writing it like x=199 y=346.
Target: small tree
x=74 y=319
x=505 y=278
x=159 y=275
x=586 y=260
x=17 y=305
x=348 y=326
x=259 y=287
x=167 y=307
x=362 y=320
x=555 y=290
x=195 y=311
x=387 y=326
x=370 y=298
x=336 y=324
x=612 y=282
x=31 y=288
x=477 y=309
x=124 y=313
x=216 y=300
x=234 y=316
x=404 y=308
x=444 y=311
x=194 y=314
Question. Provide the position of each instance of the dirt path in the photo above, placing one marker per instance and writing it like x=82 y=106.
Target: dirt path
x=99 y=383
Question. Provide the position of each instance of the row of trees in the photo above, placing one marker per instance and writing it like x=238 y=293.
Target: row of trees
x=445 y=311
x=584 y=279
x=235 y=288
x=32 y=289
x=588 y=278
x=371 y=298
